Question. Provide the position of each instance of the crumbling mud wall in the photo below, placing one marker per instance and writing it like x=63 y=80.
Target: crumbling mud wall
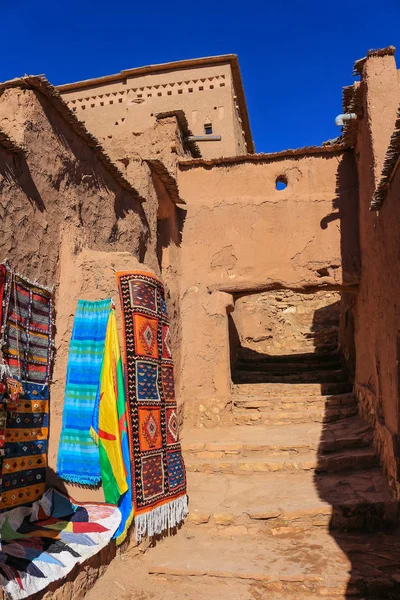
x=376 y=308
x=242 y=235
x=284 y=322
x=68 y=222
x=59 y=180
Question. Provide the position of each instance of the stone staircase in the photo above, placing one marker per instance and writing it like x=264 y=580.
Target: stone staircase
x=288 y=502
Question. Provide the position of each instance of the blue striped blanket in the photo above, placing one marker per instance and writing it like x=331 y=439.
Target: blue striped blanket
x=78 y=456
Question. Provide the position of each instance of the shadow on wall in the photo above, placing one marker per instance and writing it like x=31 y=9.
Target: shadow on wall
x=170 y=231
x=14 y=169
x=345 y=210
x=82 y=167
x=348 y=477
x=297 y=342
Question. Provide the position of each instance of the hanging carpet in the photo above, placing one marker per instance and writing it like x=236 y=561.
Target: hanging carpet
x=110 y=431
x=159 y=478
x=27 y=346
x=78 y=456
x=43 y=543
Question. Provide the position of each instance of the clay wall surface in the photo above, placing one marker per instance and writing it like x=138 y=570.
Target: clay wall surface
x=206 y=95
x=59 y=180
x=376 y=311
x=68 y=223
x=134 y=155
x=284 y=322
x=242 y=235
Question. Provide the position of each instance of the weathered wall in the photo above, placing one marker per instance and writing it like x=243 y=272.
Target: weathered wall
x=88 y=274
x=59 y=180
x=376 y=311
x=67 y=222
x=128 y=106
x=242 y=235
x=162 y=142
x=285 y=322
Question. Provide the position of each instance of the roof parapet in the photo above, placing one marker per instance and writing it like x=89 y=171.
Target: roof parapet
x=265 y=158
x=359 y=64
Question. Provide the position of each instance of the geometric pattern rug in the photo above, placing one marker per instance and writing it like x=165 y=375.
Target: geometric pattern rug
x=159 y=477
x=42 y=543
x=27 y=347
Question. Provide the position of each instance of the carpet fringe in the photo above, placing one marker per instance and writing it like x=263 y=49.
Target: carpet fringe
x=164 y=517
x=87 y=480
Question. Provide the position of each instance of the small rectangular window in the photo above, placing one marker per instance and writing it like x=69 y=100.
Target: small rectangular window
x=208 y=129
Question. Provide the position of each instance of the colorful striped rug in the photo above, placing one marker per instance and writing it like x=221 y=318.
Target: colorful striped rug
x=27 y=345
x=159 y=478
x=78 y=456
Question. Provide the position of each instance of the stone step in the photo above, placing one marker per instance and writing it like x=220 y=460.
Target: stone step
x=355 y=458
x=293 y=402
x=291 y=389
x=288 y=368
x=340 y=565
x=301 y=360
x=245 y=416
x=128 y=578
x=244 y=441
x=248 y=355
x=276 y=503
x=268 y=376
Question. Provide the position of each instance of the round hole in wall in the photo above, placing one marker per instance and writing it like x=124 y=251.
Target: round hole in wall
x=281 y=183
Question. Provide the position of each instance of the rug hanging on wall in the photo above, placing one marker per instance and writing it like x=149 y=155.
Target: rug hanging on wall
x=110 y=431
x=27 y=349
x=43 y=543
x=159 y=488
x=78 y=456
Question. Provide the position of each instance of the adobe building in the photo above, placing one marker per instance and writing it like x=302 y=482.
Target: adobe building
x=284 y=306
x=208 y=90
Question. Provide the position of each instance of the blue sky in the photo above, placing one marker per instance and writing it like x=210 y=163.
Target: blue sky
x=295 y=56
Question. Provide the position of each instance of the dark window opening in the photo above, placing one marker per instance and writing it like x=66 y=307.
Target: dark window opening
x=208 y=129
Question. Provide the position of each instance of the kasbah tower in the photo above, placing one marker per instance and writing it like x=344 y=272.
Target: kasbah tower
x=281 y=273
